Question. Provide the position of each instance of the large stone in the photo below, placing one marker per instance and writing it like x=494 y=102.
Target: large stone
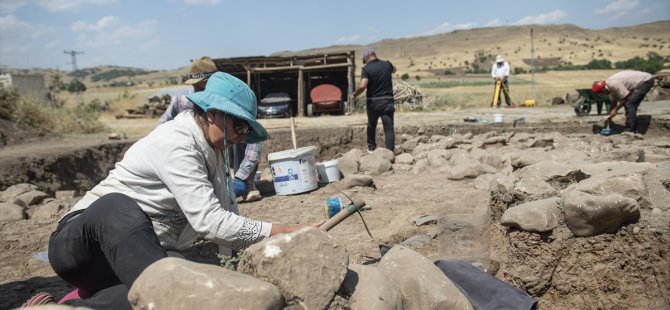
x=370 y=289
x=463 y=171
x=536 y=216
x=384 y=152
x=630 y=186
x=348 y=163
x=437 y=158
x=520 y=137
x=173 y=283
x=489 y=181
x=65 y=195
x=423 y=148
x=374 y=164
x=533 y=187
x=16 y=190
x=354 y=180
x=658 y=194
x=628 y=154
x=10 y=212
x=308 y=266
x=546 y=170
x=421 y=166
x=49 y=212
x=409 y=145
x=404 y=159
x=31 y=198
x=437 y=138
x=422 y=284
x=589 y=215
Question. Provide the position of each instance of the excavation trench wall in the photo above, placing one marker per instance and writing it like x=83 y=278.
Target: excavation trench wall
x=80 y=169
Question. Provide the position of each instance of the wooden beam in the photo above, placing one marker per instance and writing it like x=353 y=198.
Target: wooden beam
x=301 y=94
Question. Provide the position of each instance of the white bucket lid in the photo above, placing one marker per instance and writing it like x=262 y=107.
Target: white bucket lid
x=330 y=163
x=292 y=153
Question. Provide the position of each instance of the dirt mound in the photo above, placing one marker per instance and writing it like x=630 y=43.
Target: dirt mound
x=12 y=133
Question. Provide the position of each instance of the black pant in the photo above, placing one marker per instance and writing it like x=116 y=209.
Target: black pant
x=633 y=103
x=375 y=110
x=504 y=89
x=103 y=250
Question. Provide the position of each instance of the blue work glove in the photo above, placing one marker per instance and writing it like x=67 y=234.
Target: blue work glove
x=239 y=187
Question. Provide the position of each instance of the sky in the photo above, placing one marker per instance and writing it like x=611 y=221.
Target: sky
x=156 y=35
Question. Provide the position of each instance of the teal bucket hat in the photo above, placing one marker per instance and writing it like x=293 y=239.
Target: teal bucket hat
x=230 y=95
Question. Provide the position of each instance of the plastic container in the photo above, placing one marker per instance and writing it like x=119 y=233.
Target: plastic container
x=333 y=206
x=497 y=118
x=329 y=171
x=293 y=170
x=464 y=235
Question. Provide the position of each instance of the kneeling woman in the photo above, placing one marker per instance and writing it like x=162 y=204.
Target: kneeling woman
x=170 y=188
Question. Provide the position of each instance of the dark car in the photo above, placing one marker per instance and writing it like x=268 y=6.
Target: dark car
x=275 y=105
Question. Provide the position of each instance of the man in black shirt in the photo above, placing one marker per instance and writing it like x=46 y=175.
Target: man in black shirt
x=376 y=79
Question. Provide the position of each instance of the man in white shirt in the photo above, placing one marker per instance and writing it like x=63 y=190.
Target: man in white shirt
x=500 y=72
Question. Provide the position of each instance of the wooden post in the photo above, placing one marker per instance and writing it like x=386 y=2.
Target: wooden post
x=351 y=68
x=301 y=94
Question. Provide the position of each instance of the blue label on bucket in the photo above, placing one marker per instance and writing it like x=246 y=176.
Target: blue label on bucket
x=286 y=178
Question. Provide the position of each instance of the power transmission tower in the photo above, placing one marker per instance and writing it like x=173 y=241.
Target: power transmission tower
x=73 y=55
x=532 y=61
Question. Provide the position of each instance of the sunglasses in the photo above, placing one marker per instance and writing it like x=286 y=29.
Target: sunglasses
x=240 y=126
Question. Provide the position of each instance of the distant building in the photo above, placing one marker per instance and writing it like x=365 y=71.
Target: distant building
x=27 y=85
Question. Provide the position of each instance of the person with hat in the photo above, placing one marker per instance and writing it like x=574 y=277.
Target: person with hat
x=626 y=89
x=377 y=81
x=170 y=188
x=500 y=73
x=246 y=156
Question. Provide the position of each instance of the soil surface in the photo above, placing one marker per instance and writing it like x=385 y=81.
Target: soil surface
x=621 y=265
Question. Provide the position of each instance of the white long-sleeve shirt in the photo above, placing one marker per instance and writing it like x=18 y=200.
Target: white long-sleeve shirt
x=179 y=181
x=500 y=71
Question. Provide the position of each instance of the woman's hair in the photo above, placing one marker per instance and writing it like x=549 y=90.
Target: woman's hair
x=198 y=110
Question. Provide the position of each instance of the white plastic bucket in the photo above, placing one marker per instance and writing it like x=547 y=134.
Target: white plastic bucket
x=328 y=171
x=497 y=118
x=293 y=170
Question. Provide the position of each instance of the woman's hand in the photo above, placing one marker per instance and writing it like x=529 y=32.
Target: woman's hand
x=284 y=228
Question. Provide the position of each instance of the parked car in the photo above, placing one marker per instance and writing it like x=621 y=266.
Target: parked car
x=277 y=104
x=326 y=98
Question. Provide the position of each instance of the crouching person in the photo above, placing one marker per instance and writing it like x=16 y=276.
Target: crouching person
x=170 y=188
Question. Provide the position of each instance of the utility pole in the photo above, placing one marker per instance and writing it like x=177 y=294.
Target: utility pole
x=73 y=55
x=532 y=61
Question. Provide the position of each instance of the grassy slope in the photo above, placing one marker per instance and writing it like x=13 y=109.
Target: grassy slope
x=417 y=55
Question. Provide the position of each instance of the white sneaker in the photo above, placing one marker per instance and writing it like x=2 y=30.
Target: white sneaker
x=253 y=196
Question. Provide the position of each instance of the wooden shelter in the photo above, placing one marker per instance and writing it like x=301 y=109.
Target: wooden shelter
x=295 y=75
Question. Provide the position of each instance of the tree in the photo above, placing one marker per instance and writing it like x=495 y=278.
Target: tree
x=76 y=86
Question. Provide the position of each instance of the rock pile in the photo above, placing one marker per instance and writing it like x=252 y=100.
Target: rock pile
x=306 y=269
x=24 y=201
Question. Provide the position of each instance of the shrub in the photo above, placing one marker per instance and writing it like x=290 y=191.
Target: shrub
x=31 y=113
x=652 y=64
x=404 y=77
x=8 y=102
x=76 y=86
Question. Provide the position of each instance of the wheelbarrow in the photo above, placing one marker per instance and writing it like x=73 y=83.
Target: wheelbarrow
x=587 y=98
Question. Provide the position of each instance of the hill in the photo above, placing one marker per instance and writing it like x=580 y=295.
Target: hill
x=569 y=44
x=454 y=51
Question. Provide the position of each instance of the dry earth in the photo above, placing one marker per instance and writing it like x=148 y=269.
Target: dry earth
x=626 y=270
